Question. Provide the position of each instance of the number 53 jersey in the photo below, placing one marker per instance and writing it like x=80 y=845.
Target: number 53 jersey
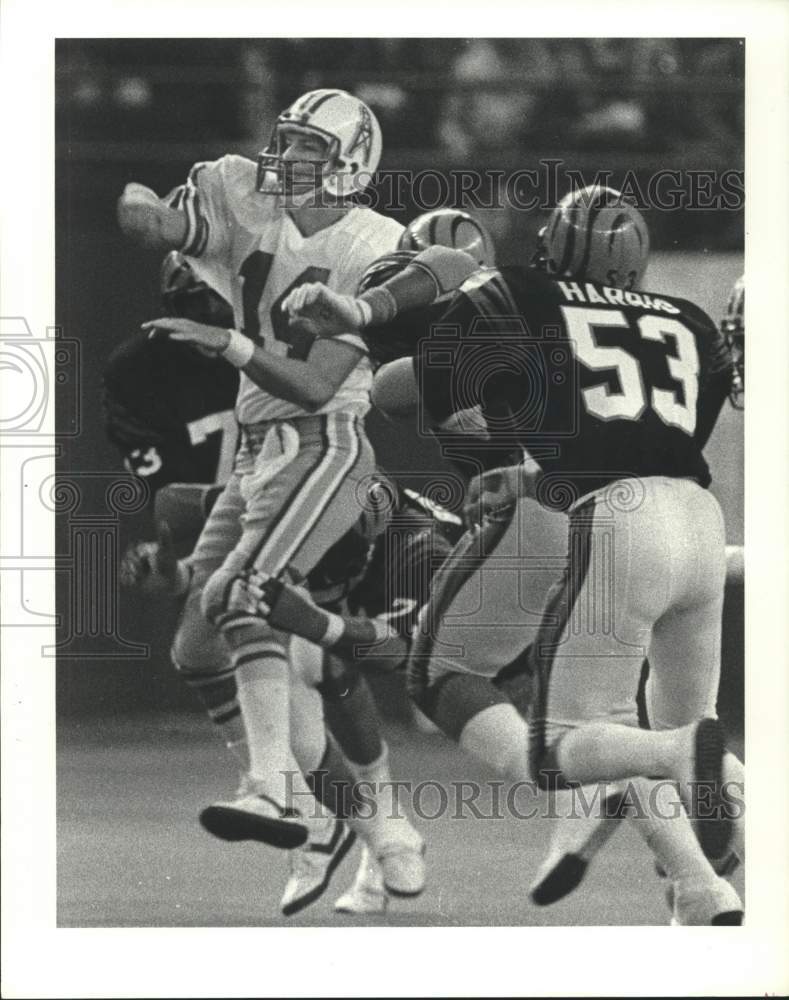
x=247 y=247
x=597 y=383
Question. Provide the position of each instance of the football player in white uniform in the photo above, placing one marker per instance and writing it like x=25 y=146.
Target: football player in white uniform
x=256 y=232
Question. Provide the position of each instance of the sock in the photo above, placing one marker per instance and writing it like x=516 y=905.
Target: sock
x=263 y=678
x=602 y=751
x=219 y=695
x=351 y=714
x=498 y=736
x=656 y=810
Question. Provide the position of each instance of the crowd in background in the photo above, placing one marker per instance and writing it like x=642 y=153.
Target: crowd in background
x=461 y=98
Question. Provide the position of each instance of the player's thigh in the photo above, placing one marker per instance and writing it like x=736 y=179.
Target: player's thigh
x=686 y=645
x=684 y=665
x=475 y=620
x=597 y=623
x=311 y=502
x=221 y=532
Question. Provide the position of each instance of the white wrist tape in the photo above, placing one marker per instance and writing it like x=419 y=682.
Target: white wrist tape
x=239 y=350
x=365 y=312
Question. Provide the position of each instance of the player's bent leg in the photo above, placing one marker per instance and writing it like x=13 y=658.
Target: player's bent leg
x=351 y=713
x=347 y=701
x=313 y=865
x=698 y=895
x=202 y=659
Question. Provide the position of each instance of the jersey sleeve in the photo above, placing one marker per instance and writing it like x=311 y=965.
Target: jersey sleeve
x=203 y=201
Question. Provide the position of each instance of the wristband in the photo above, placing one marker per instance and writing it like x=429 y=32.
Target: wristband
x=380 y=303
x=365 y=312
x=239 y=349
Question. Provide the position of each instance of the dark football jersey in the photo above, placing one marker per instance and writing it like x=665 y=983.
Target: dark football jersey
x=170 y=411
x=400 y=338
x=418 y=537
x=597 y=383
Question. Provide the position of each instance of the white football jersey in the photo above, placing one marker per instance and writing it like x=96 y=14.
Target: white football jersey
x=248 y=248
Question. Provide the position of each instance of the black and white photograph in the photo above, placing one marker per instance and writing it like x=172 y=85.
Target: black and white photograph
x=375 y=490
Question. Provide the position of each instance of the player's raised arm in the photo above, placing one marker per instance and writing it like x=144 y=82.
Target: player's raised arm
x=149 y=221
x=431 y=274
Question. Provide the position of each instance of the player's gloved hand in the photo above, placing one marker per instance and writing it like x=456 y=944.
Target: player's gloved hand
x=283 y=605
x=153 y=567
x=329 y=313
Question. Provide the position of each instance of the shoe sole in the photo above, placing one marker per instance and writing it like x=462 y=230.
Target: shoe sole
x=568 y=873
x=731 y=918
x=714 y=831
x=232 y=824
x=361 y=911
x=317 y=891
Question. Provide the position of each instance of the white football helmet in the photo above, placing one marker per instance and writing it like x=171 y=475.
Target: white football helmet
x=351 y=132
x=449 y=227
x=594 y=235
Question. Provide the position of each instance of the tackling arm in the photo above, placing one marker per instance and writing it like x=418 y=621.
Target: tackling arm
x=431 y=274
x=370 y=642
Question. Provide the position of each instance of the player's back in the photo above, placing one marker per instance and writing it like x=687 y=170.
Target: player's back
x=170 y=411
x=598 y=383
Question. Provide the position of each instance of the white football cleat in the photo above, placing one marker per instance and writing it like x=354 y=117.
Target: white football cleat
x=367 y=893
x=312 y=866
x=714 y=903
x=402 y=862
x=254 y=815
x=576 y=840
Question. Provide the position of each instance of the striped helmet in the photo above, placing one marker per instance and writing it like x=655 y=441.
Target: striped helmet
x=349 y=129
x=187 y=295
x=384 y=268
x=733 y=330
x=594 y=235
x=448 y=227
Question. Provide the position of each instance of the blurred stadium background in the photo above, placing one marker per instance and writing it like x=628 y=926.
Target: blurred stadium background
x=132 y=742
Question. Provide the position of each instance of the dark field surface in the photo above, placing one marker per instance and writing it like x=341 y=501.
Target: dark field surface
x=132 y=854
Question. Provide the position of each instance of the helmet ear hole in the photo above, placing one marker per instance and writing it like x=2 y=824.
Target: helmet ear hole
x=345 y=124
